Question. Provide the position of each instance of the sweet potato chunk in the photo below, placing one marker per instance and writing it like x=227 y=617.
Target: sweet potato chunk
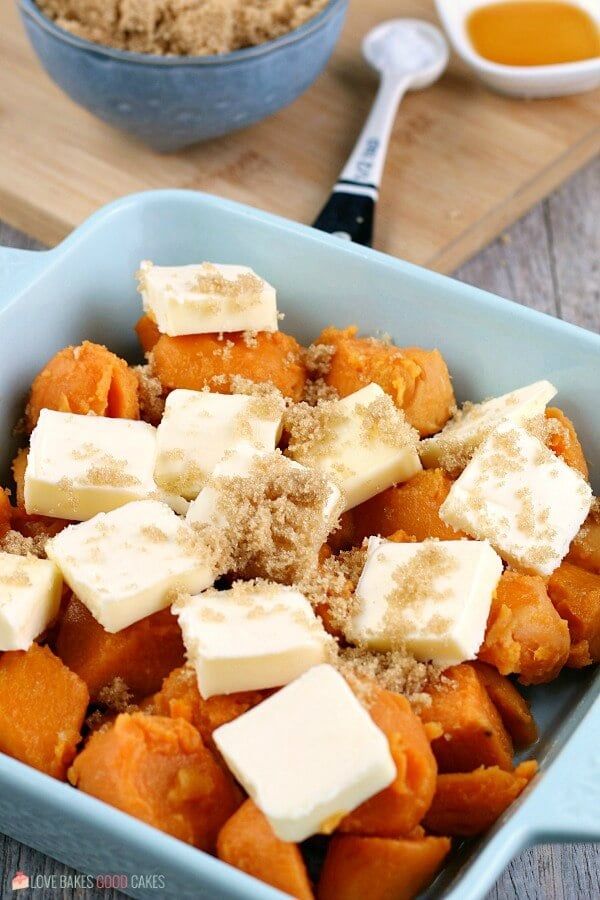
x=380 y=868
x=196 y=361
x=473 y=733
x=179 y=698
x=141 y=655
x=467 y=803
x=399 y=808
x=525 y=635
x=563 y=440
x=248 y=843
x=512 y=706
x=42 y=708
x=148 y=333
x=585 y=549
x=416 y=379
x=575 y=594
x=412 y=507
x=159 y=771
x=5 y=513
x=85 y=379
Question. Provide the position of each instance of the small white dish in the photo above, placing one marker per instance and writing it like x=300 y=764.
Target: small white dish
x=519 y=81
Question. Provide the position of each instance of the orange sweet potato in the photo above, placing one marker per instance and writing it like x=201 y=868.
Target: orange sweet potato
x=148 y=333
x=248 y=843
x=196 y=361
x=563 y=440
x=512 y=706
x=85 y=379
x=467 y=803
x=473 y=733
x=141 y=655
x=179 y=698
x=380 y=868
x=416 y=379
x=159 y=771
x=575 y=594
x=413 y=507
x=6 y=512
x=585 y=549
x=42 y=708
x=525 y=635
x=19 y=464
x=395 y=811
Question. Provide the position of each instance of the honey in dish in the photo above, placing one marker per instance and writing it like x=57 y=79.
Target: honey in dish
x=533 y=33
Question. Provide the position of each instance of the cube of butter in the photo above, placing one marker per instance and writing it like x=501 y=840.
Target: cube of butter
x=127 y=564
x=454 y=445
x=308 y=755
x=206 y=298
x=256 y=635
x=361 y=442
x=198 y=428
x=30 y=591
x=523 y=499
x=432 y=598
x=79 y=466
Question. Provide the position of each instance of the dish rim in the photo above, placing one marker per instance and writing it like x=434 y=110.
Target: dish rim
x=30 y=8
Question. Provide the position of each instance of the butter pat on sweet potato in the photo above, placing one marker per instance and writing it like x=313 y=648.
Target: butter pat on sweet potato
x=361 y=442
x=30 y=591
x=126 y=564
x=253 y=636
x=207 y=297
x=308 y=755
x=432 y=598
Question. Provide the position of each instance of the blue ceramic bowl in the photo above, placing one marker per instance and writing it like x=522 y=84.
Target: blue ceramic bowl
x=85 y=288
x=171 y=102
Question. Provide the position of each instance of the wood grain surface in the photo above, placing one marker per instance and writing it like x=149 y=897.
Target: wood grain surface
x=550 y=261
x=464 y=162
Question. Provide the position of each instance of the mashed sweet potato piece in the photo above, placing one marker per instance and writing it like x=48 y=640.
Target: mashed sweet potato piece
x=525 y=635
x=158 y=770
x=512 y=706
x=179 y=698
x=563 y=440
x=585 y=549
x=196 y=361
x=5 y=513
x=412 y=507
x=575 y=594
x=42 y=708
x=376 y=868
x=473 y=732
x=140 y=655
x=467 y=803
x=416 y=379
x=248 y=843
x=399 y=808
x=85 y=379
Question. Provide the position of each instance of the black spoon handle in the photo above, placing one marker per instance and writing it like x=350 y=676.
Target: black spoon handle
x=350 y=212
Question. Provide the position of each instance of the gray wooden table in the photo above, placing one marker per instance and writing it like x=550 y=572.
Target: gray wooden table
x=550 y=261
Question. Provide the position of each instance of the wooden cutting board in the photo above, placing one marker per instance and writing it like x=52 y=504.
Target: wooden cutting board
x=464 y=163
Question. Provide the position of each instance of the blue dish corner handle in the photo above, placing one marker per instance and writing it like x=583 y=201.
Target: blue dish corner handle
x=18 y=268
x=564 y=804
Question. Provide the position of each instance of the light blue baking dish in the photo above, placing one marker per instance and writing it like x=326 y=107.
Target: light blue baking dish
x=85 y=289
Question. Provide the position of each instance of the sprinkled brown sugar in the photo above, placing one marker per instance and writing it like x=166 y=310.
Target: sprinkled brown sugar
x=18 y=578
x=150 y=393
x=239 y=294
x=311 y=429
x=116 y=696
x=416 y=586
x=273 y=519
